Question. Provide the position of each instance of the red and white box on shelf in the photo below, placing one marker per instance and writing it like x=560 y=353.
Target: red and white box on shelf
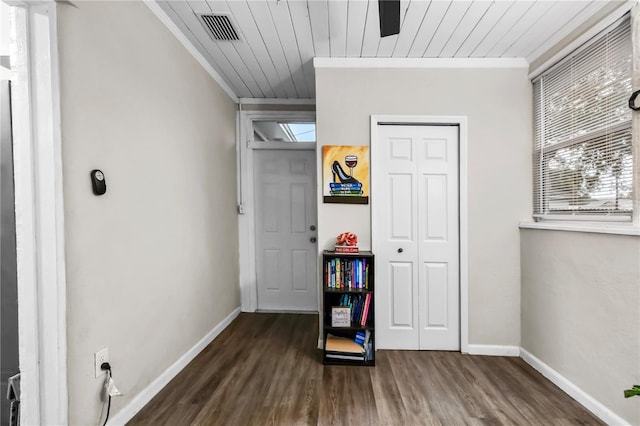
x=347 y=249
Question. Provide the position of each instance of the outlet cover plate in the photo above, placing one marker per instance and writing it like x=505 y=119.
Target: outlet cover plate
x=100 y=357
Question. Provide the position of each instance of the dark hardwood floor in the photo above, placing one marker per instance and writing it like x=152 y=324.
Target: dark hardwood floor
x=264 y=369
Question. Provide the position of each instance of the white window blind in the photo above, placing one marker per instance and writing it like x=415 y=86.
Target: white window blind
x=582 y=135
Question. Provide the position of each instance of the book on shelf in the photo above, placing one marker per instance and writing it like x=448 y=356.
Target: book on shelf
x=368 y=347
x=362 y=337
x=332 y=355
x=342 y=345
x=356 y=308
x=367 y=338
x=343 y=273
x=368 y=354
x=347 y=349
x=359 y=306
x=366 y=280
x=365 y=313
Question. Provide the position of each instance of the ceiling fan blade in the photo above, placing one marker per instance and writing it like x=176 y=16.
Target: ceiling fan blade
x=389 y=11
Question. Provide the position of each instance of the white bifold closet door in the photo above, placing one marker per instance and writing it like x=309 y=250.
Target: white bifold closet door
x=417 y=259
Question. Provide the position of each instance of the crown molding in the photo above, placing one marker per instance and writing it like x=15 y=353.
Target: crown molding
x=276 y=101
x=420 y=63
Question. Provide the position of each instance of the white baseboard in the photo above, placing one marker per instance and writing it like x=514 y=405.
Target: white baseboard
x=143 y=398
x=590 y=403
x=493 y=350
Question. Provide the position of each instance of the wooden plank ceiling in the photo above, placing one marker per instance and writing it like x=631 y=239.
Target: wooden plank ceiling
x=280 y=38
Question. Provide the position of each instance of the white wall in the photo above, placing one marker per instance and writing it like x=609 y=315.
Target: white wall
x=581 y=298
x=497 y=102
x=152 y=266
x=580 y=316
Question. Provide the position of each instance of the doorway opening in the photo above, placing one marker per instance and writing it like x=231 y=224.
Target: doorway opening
x=278 y=214
x=39 y=212
x=9 y=362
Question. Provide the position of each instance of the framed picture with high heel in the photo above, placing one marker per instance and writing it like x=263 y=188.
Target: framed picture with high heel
x=345 y=174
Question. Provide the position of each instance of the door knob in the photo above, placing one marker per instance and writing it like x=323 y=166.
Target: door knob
x=400 y=250
x=313 y=239
x=312 y=227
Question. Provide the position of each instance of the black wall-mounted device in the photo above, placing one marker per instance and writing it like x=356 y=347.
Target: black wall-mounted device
x=632 y=101
x=98 y=182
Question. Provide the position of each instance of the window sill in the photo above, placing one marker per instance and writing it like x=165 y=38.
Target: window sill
x=591 y=227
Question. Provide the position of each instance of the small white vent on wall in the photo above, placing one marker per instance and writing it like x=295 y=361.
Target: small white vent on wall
x=219 y=26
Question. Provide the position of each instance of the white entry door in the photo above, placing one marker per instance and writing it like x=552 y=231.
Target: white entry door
x=417 y=259
x=286 y=254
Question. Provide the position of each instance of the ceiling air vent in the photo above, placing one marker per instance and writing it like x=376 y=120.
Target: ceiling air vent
x=219 y=26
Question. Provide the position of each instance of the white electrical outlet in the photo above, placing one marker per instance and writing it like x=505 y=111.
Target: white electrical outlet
x=100 y=357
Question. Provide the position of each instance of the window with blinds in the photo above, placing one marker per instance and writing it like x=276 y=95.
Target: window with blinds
x=582 y=135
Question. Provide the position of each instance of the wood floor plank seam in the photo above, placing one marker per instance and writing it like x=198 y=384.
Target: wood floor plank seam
x=265 y=369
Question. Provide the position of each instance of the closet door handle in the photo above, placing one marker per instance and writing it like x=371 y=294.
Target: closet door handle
x=400 y=250
x=313 y=239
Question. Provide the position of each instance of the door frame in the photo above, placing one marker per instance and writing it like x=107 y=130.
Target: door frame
x=427 y=120
x=39 y=216
x=245 y=146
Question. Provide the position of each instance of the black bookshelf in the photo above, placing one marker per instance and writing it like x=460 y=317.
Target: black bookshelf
x=348 y=279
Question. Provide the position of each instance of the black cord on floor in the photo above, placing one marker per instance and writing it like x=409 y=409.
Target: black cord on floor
x=107 y=367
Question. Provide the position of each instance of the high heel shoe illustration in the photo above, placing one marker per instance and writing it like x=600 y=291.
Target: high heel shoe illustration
x=336 y=168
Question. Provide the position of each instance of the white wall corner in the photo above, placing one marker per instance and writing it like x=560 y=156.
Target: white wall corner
x=143 y=398
x=589 y=402
x=171 y=26
x=493 y=350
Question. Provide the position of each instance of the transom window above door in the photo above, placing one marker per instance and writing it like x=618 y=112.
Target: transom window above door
x=281 y=131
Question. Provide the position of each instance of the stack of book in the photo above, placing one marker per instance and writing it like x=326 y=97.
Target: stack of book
x=343 y=348
x=346 y=189
x=347 y=274
x=359 y=305
x=364 y=338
